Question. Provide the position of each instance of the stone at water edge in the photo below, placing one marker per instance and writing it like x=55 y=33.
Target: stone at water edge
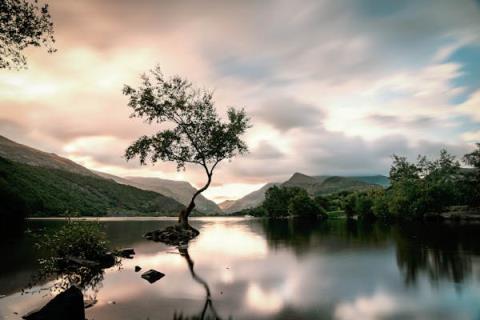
x=66 y=305
x=173 y=235
x=152 y=275
x=138 y=268
x=126 y=252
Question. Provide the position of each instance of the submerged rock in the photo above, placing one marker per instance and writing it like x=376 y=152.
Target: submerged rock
x=152 y=275
x=103 y=262
x=126 y=252
x=66 y=305
x=108 y=260
x=82 y=262
x=173 y=235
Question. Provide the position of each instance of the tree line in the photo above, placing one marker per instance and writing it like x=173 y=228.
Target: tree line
x=417 y=190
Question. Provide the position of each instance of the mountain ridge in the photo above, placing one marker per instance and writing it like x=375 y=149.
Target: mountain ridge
x=321 y=184
x=180 y=191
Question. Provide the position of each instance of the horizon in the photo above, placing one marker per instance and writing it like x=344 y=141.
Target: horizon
x=332 y=88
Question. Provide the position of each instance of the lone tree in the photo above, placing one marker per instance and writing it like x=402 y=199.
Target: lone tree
x=23 y=24
x=194 y=133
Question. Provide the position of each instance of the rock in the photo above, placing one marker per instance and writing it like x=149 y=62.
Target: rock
x=107 y=260
x=137 y=268
x=89 y=303
x=82 y=262
x=126 y=252
x=173 y=235
x=152 y=275
x=66 y=305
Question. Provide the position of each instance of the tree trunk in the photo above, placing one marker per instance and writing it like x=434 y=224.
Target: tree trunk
x=185 y=213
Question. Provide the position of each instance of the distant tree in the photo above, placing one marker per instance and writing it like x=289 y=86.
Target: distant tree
x=323 y=202
x=276 y=202
x=348 y=204
x=473 y=180
x=301 y=205
x=195 y=134
x=23 y=24
x=380 y=203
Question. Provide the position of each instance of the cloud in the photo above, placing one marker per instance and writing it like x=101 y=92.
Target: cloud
x=287 y=113
x=331 y=86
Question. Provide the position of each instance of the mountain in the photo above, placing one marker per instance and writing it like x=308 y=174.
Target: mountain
x=314 y=185
x=251 y=200
x=330 y=184
x=225 y=205
x=377 y=179
x=23 y=154
x=41 y=191
x=179 y=190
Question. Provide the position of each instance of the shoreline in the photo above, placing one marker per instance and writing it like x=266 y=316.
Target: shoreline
x=132 y=218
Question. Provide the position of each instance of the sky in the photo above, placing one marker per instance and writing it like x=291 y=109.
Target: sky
x=332 y=87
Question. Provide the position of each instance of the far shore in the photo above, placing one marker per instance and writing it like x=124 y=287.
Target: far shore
x=153 y=218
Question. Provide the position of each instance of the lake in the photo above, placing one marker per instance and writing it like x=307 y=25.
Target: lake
x=264 y=269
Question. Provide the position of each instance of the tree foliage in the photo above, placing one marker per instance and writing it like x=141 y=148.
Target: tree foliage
x=293 y=201
x=23 y=24
x=473 y=180
x=198 y=135
x=192 y=131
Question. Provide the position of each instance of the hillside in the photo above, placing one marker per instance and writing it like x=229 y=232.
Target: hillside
x=177 y=190
x=314 y=185
x=43 y=191
x=251 y=200
x=378 y=179
x=23 y=154
x=225 y=205
x=181 y=191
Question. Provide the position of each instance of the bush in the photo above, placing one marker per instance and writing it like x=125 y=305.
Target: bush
x=82 y=240
x=85 y=240
x=303 y=206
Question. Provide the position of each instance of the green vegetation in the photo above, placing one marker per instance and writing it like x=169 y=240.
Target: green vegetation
x=80 y=239
x=417 y=190
x=289 y=201
x=84 y=241
x=35 y=191
x=421 y=189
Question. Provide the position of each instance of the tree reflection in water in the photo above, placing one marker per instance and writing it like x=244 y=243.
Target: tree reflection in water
x=208 y=305
x=442 y=251
x=88 y=279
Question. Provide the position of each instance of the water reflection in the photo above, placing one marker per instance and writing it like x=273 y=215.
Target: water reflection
x=444 y=251
x=287 y=269
x=208 y=305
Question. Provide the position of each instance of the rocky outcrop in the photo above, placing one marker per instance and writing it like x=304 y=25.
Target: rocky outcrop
x=66 y=305
x=173 y=235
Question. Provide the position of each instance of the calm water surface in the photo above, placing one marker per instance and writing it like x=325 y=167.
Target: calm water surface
x=259 y=269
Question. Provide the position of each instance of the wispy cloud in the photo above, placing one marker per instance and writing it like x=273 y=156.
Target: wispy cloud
x=331 y=86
